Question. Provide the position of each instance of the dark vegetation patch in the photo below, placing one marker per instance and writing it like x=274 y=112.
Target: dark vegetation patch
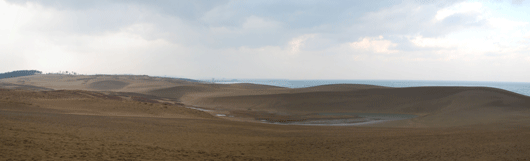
x=19 y=73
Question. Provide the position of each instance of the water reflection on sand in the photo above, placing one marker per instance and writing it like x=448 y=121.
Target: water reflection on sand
x=366 y=118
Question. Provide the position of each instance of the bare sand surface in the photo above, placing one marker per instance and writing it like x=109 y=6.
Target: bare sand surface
x=142 y=121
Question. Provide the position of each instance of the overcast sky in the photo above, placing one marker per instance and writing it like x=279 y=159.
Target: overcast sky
x=390 y=40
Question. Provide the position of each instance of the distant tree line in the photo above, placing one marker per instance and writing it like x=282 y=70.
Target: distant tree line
x=19 y=73
x=66 y=73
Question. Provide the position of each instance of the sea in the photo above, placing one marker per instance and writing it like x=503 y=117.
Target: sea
x=516 y=87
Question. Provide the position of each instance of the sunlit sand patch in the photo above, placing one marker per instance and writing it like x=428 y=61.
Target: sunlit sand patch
x=200 y=109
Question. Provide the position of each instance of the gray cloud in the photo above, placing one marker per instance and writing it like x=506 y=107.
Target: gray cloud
x=222 y=24
x=219 y=24
x=65 y=4
x=413 y=19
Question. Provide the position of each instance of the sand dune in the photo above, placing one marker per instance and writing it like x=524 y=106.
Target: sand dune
x=87 y=125
x=57 y=117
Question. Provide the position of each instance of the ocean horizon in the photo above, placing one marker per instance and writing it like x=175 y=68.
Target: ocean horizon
x=516 y=87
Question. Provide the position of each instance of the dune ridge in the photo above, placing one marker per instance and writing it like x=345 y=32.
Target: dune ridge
x=117 y=83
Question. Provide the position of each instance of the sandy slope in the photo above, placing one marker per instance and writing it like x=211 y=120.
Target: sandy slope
x=93 y=103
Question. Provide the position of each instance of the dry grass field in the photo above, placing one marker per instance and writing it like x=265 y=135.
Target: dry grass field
x=46 y=117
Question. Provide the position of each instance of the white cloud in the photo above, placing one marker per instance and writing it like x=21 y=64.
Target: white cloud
x=296 y=43
x=13 y=18
x=420 y=41
x=505 y=24
x=463 y=7
x=374 y=44
x=34 y=43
